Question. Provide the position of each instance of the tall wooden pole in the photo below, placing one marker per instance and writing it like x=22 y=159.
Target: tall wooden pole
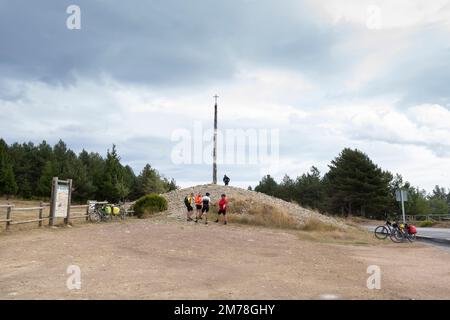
x=215 y=143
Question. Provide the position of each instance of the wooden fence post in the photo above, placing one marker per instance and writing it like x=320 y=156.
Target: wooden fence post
x=88 y=209
x=41 y=204
x=51 y=219
x=69 y=186
x=8 y=217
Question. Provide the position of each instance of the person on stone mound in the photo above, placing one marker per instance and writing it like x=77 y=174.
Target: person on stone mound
x=223 y=206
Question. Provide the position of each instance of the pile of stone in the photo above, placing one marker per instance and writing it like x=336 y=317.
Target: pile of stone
x=177 y=208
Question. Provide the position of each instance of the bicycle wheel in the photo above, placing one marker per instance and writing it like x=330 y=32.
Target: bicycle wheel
x=123 y=214
x=95 y=217
x=397 y=236
x=411 y=237
x=381 y=232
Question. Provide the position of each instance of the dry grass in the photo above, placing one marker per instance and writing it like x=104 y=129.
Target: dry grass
x=257 y=214
x=351 y=236
x=250 y=213
x=314 y=224
x=265 y=216
x=318 y=231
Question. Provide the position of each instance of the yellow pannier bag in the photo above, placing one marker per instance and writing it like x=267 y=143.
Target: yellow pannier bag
x=116 y=211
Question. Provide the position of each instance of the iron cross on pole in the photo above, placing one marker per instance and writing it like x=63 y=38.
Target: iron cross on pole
x=216 y=97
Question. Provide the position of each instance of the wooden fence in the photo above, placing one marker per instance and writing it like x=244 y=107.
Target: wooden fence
x=12 y=214
x=429 y=217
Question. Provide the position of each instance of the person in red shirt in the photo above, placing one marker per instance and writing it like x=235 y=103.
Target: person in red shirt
x=223 y=206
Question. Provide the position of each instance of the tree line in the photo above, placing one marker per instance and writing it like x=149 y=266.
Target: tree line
x=26 y=171
x=355 y=185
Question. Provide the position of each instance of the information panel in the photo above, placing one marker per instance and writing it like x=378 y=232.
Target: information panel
x=62 y=200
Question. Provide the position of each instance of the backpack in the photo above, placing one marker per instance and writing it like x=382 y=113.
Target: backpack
x=186 y=201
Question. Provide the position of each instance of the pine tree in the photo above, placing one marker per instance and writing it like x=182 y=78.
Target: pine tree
x=356 y=185
x=149 y=181
x=309 y=190
x=268 y=185
x=8 y=181
x=44 y=186
x=8 y=185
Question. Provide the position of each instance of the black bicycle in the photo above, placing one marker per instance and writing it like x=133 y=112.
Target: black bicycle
x=388 y=230
x=405 y=232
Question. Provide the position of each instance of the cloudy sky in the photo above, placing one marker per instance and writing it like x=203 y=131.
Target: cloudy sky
x=327 y=74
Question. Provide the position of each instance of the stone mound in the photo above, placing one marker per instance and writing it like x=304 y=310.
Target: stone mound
x=177 y=208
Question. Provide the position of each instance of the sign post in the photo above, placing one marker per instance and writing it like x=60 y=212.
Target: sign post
x=61 y=200
x=402 y=196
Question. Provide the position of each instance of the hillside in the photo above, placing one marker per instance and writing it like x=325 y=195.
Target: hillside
x=250 y=198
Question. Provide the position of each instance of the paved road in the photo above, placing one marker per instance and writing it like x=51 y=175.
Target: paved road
x=437 y=233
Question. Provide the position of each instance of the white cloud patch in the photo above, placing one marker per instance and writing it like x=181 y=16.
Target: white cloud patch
x=393 y=14
x=95 y=115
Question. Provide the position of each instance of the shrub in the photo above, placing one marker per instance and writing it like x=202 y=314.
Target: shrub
x=426 y=223
x=150 y=204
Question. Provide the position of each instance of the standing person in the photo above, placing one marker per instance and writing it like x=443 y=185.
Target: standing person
x=198 y=206
x=206 y=200
x=226 y=180
x=223 y=206
x=189 y=203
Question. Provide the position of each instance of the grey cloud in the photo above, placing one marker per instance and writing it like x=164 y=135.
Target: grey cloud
x=158 y=42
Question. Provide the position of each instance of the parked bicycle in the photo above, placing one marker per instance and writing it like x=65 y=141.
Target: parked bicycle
x=397 y=232
x=387 y=230
x=102 y=211
x=405 y=232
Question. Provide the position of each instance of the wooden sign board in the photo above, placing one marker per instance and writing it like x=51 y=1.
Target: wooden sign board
x=61 y=200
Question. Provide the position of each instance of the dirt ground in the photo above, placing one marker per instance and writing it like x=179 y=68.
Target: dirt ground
x=160 y=259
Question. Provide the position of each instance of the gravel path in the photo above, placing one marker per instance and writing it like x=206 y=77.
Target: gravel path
x=162 y=259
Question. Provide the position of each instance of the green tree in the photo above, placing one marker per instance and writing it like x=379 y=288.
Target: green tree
x=44 y=187
x=286 y=189
x=309 y=190
x=8 y=185
x=355 y=185
x=438 y=206
x=439 y=201
x=28 y=169
x=113 y=185
x=439 y=193
x=8 y=182
x=417 y=203
x=268 y=185
x=170 y=184
x=149 y=181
